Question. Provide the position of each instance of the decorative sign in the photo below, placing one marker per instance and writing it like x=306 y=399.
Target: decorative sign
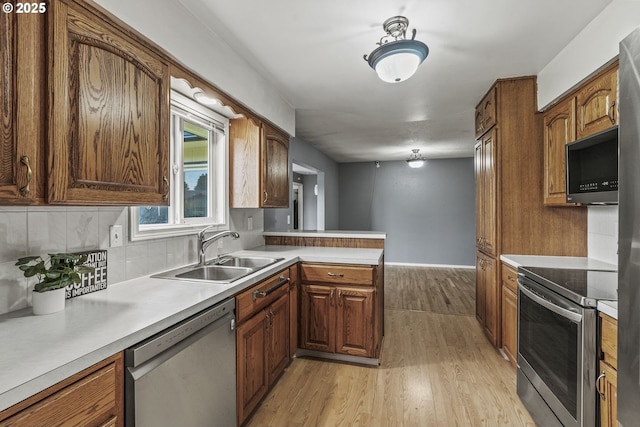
x=91 y=282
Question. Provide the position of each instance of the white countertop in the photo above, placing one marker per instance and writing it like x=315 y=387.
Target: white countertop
x=39 y=351
x=610 y=308
x=557 y=262
x=329 y=234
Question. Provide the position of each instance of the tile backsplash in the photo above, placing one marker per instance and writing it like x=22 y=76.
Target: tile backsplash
x=41 y=230
x=602 y=237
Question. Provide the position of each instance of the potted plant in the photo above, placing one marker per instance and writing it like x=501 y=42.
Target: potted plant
x=54 y=275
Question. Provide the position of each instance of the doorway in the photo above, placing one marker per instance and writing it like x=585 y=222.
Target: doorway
x=298 y=206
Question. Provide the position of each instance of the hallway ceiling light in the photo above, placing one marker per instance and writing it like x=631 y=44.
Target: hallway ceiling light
x=415 y=160
x=396 y=58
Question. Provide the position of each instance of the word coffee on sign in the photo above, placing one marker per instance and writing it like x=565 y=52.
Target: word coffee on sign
x=94 y=281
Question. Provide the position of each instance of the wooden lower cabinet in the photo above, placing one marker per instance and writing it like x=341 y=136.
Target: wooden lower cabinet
x=608 y=391
x=91 y=398
x=337 y=319
x=607 y=383
x=262 y=342
x=509 y=310
x=487 y=296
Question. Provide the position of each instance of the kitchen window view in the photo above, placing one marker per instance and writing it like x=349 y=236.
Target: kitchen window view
x=198 y=166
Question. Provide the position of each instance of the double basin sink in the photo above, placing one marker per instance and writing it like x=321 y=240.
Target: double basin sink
x=225 y=269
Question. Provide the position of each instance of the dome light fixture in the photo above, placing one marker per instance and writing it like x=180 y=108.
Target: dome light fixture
x=415 y=160
x=396 y=58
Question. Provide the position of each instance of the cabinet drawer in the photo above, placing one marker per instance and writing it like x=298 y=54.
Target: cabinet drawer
x=336 y=273
x=252 y=301
x=609 y=340
x=510 y=277
x=91 y=401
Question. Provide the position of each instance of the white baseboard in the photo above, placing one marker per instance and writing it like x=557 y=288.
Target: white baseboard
x=411 y=264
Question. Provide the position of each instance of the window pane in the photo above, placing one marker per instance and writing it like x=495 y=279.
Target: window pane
x=196 y=170
x=153 y=215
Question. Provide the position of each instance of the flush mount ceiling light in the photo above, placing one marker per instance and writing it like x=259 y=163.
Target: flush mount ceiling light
x=396 y=58
x=415 y=160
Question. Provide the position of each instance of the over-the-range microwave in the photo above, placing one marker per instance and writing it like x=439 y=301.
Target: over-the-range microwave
x=592 y=169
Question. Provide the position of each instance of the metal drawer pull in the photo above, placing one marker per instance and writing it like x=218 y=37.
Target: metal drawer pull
x=24 y=191
x=261 y=294
x=335 y=274
x=602 y=395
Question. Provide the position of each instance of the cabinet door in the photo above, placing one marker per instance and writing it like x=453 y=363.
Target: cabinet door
x=608 y=391
x=477 y=157
x=109 y=101
x=596 y=104
x=278 y=345
x=317 y=318
x=22 y=109
x=275 y=169
x=488 y=189
x=354 y=316
x=293 y=317
x=244 y=158
x=509 y=323
x=491 y=303
x=251 y=363
x=559 y=129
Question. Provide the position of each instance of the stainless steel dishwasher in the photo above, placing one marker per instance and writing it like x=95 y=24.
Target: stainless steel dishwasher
x=185 y=376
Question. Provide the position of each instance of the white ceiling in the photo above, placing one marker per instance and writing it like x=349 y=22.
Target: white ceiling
x=312 y=51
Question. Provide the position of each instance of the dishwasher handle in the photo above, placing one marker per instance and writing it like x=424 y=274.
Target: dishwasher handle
x=261 y=294
x=164 y=340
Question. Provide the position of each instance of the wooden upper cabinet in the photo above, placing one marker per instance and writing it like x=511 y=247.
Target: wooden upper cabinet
x=486 y=113
x=486 y=194
x=22 y=109
x=596 y=104
x=275 y=169
x=109 y=120
x=259 y=165
x=559 y=129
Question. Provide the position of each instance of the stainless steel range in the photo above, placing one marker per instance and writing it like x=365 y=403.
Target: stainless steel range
x=557 y=335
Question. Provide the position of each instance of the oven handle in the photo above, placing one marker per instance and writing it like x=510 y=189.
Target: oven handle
x=574 y=317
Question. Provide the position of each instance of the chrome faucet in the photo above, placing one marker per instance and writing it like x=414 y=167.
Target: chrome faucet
x=203 y=243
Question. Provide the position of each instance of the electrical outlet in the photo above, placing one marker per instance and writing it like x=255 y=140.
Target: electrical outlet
x=250 y=223
x=220 y=244
x=288 y=219
x=115 y=236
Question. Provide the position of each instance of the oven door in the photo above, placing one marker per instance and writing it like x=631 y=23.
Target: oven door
x=557 y=352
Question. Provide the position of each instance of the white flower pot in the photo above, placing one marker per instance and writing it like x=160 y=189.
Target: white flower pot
x=48 y=302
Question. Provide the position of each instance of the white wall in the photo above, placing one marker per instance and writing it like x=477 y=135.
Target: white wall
x=594 y=46
x=173 y=28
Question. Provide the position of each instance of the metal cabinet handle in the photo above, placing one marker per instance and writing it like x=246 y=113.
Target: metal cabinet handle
x=600 y=393
x=266 y=197
x=24 y=191
x=611 y=112
x=330 y=274
x=166 y=187
x=261 y=294
x=331 y=302
x=339 y=298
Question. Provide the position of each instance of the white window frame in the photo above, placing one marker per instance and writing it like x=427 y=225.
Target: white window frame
x=183 y=108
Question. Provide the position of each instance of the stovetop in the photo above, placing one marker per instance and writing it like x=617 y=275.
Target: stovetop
x=585 y=287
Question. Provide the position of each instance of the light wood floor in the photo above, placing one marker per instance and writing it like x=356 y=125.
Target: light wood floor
x=437 y=367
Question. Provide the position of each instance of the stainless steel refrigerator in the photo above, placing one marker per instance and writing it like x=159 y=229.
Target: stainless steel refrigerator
x=629 y=233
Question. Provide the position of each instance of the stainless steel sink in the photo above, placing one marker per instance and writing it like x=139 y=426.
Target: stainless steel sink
x=224 y=269
x=215 y=273
x=249 y=262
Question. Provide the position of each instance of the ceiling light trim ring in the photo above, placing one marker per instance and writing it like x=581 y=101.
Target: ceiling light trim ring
x=399 y=46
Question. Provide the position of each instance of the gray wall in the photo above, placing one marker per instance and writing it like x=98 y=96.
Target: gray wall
x=305 y=154
x=427 y=213
x=310 y=202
